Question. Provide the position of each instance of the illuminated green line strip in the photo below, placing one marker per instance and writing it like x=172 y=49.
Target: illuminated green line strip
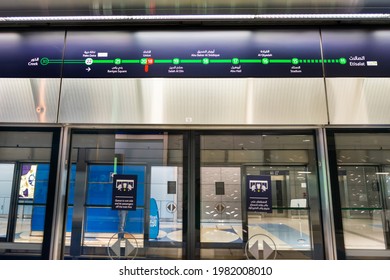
x=250 y=60
x=130 y=61
x=103 y=61
x=191 y=61
x=74 y=62
x=220 y=61
x=362 y=208
x=135 y=61
x=163 y=61
x=115 y=164
x=280 y=60
x=290 y=208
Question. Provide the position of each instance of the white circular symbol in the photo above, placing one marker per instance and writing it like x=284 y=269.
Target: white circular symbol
x=122 y=246
x=89 y=61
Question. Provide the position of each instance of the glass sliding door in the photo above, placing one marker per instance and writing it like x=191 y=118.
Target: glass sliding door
x=286 y=225
x=6 y=180
x=361 y=206
x=27 y=186
x=360 y=174
x=256 y=189
x=125 y=196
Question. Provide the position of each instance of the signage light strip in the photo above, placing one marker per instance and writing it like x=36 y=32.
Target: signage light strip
x=249 y=17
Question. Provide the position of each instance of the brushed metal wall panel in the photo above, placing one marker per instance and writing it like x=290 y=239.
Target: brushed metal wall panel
x=27 y=100
x=358 y=100
x=193 y=101
x=101 y=101
x=287 y=101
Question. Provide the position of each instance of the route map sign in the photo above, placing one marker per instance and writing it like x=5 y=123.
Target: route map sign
x=145 y=54
x=291 y=53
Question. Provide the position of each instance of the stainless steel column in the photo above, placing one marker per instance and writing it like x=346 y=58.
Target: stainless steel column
x=78 y=208
x=325 y=195
x=60 y=207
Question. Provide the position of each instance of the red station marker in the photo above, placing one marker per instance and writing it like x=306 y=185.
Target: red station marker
x=149 y=61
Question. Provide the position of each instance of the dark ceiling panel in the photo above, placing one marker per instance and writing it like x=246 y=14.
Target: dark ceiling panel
x=252 y=10
x=150 y=7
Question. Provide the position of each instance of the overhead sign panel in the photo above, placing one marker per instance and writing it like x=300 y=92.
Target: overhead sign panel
x=356 y=53
x=273 y=53
x=26 y=54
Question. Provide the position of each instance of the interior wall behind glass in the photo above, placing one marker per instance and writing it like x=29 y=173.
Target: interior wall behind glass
x=363 y=174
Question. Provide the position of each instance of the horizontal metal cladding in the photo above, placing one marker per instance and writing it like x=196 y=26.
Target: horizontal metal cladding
x=245 y=101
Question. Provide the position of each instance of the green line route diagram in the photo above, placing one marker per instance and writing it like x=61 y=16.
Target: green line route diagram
x=176 y=61
x=147 y=62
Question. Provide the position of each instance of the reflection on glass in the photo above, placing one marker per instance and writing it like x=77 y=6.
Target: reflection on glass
x=31 y=208
x=166 y=190
x=152 y=227
x=24 y=177
x=221 y=212
x=361 y=207
x=256 y=185
x=6 y=176
x=102 y=221
x=363 y=166
x=288 y=223
x=27 y=181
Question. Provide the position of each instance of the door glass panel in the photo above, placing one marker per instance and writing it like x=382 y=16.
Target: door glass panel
x=221 y=207
x=167 y=191
x=24 y=185
x=6 y=177
x=101 y=222
x=363 y=175
x=361 y=207
x=257 y=188
x=125 y=196
x=288 y=224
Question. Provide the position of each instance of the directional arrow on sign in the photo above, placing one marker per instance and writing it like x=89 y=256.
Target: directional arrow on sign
x=267 y=250
x=254 y=250
x=171 y=207
x=129 y=248
x=116 y=247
